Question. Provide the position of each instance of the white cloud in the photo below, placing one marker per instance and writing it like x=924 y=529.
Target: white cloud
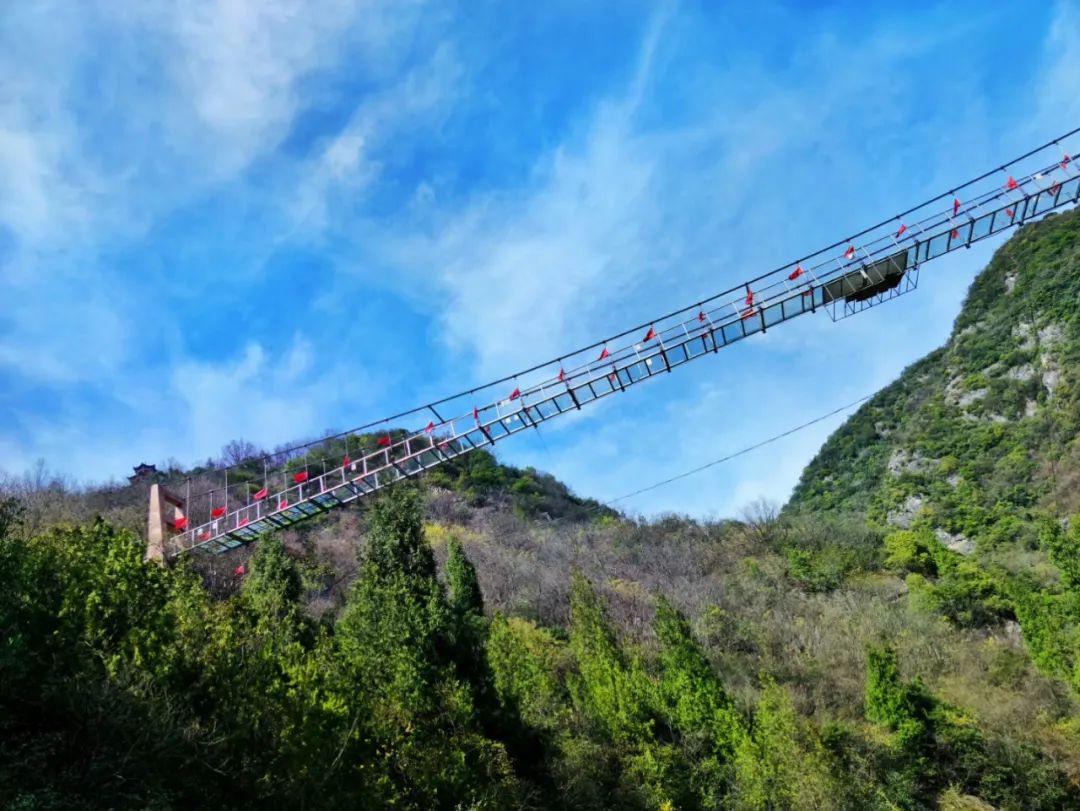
x=241 y=66
x=643 y=206
x=1058 y=87
x=333 y=183
x=251 y=396
x=36 y=197
x=185 y=97
x=61 y=333
x=632 y=214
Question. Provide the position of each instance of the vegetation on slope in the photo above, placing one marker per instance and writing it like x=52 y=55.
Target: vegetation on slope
x=982 y=435
x=129 y=685
x=976 y=450
x=905 y=635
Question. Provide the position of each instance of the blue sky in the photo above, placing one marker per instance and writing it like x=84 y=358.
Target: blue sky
x=265 y=220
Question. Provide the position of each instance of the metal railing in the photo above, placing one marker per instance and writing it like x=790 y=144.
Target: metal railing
x=843 y=279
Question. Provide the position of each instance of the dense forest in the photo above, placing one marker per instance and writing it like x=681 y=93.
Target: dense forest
x=905 y=633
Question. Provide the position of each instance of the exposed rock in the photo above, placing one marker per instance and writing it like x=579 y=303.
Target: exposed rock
x=1051 y=335
x=902 y=461
x=1023 y=372
x=1030 y=407
x=953 y=479
x=1050 y=379
x=1010 y=282
x=952 y=389
x=1013 y=633
x=955 y=394
x=970 y=397
x=1025 y=333
x=904 y=515
x=957 y=543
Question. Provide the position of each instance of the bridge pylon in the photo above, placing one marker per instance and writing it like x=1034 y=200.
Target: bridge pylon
x=162 y=522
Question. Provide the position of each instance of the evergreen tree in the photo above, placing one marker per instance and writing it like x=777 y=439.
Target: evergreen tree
x=465 y=596
x=470 y=634
x=620 y=700
x=396 y=545
x=273 y=587
x=1064 y=549
x=395 y=647
x=782 y=763
x=699 y=706
x=903 y=708
x=611 y=691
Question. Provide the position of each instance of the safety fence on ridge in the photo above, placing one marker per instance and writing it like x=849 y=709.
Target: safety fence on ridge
x=864 y=270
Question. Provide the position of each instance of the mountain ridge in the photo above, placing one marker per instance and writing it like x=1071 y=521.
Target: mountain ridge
x=986 y=422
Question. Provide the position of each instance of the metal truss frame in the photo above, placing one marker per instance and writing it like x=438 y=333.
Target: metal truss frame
x=883 y=269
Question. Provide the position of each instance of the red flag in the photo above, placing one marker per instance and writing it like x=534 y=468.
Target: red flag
x=796 y=273
x=429 y=428
x=1066 y=161
x=180 y=522
x=282 y=504
x=604 y=354
x=954 y=234
x=240 y=571
x=204 y=535
x=444 y=446
x=300 y=477
x=613 y=379
x=749 y=298
x=701 y=316
x=1055 y=188
x=900 y=233
x=562 y=375
x=515 y=394
x=850 y=252
x=1011 y=184
x=385 y=441
x=749 y=312
x=1010 y=212
x=244 y=522
x=217 y=512
x=260 y=494
x=955 y=205
x=346 y=461
x=649 y=335
x=476 y=414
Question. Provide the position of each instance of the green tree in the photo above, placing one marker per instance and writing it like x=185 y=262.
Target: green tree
x=611 y=690
x=698 y=705
x=466 y=598
x=1063 y=548
x=395 y=647
x=902 y=707
x=273 y=587
x=782 y=762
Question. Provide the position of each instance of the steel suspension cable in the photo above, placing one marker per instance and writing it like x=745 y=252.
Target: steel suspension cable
x=430 y=406
x=741 y=452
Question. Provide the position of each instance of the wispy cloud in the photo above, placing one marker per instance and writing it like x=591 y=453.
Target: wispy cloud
x=228 y=219
x=1058 y=84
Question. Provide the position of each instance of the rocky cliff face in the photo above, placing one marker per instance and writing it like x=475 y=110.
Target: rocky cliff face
x=981 y=436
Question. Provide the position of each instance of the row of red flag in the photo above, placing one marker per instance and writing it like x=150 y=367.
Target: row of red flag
x=386 y=441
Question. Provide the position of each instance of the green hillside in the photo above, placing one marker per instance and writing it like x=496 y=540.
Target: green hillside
x=972 y=457
x=979 y=438
x=905 y=634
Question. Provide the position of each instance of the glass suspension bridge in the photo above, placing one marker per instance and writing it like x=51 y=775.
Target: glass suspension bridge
x=842 y=279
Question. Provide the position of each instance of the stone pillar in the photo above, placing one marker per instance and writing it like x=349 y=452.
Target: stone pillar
x=160 y=525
